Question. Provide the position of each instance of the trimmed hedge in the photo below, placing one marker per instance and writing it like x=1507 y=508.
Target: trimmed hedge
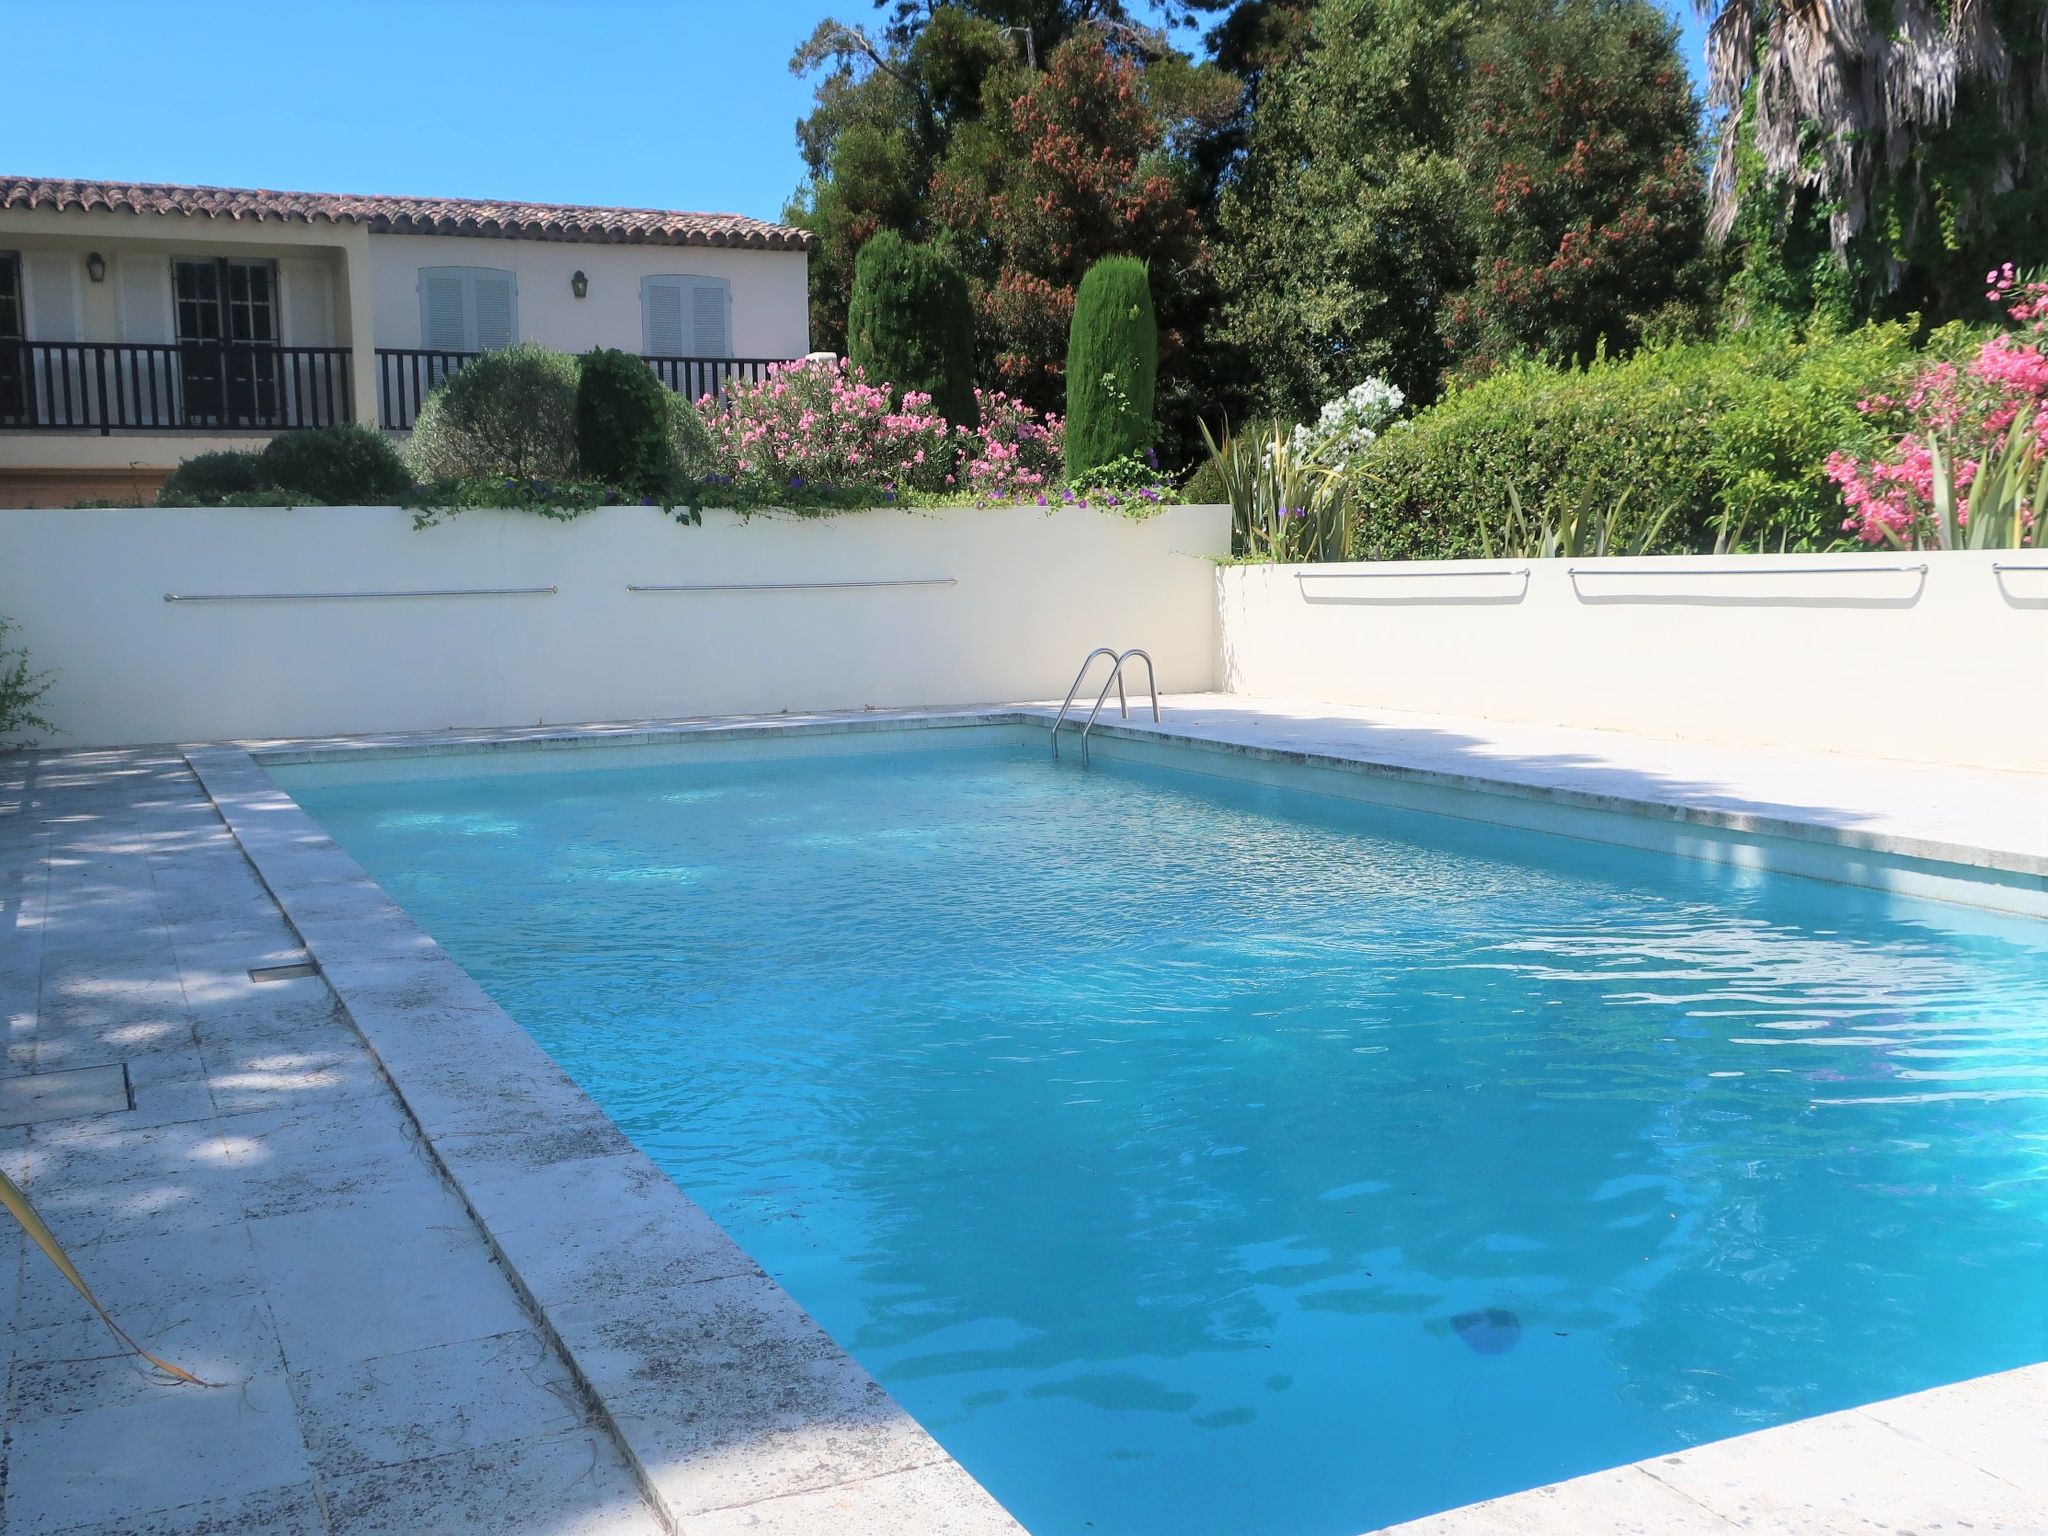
x=210 y=479
x=509 y=414
x=910 y=324
x=343 y=466
x=1112 y=365
x=1739 y=427
x=622 y=423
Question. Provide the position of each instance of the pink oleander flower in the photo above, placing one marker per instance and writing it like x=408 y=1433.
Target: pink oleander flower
x=1970 y=408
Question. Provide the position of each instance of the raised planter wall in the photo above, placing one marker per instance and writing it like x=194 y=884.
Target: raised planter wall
x=1028 y=595
x=1941 y=657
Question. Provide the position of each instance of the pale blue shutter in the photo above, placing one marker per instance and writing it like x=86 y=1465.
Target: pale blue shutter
x=661 y=317
x=444 y=324
x=710 y=300
x=496 y=309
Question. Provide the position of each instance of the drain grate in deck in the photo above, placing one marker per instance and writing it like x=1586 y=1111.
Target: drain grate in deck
x=291 y=972
x=34 y=1097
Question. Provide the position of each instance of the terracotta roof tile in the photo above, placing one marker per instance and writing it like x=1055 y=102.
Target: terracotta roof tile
x=409 y=215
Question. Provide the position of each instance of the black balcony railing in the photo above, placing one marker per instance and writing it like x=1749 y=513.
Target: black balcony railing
x=407 y=375
x=184 y=386
x=695 y=377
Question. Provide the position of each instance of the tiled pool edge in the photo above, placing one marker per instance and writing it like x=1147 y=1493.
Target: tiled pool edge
x=735 y=1410
x=1934 y=868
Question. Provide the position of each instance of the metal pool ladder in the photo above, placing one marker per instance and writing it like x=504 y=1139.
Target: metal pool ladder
x=1116 y=676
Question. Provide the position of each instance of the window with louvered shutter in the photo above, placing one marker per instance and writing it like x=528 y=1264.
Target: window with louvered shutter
x=493 y=304
x=685 y=316
x=467 y=309
x=708 y=303
x=661 y=317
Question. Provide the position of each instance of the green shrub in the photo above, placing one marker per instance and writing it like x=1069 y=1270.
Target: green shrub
x=689 y=441
x=343 y=466
x=21 y=690
x=208 y=479
x=1205 y=487
x=510 y=414
x=1722 y=442
x=910 y=323
x=622 y=423
x=1112 y=362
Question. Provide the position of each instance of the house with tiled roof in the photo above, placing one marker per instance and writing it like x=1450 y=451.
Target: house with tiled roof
x=140 y=324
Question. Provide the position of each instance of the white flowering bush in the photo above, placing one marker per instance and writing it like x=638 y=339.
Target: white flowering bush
x=1348 y=425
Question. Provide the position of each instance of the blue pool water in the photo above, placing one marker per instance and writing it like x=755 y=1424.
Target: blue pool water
x=1191 y=1157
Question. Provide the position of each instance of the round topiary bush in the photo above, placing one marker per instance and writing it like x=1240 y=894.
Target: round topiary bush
x=1112 y=363
x=910 y=323
x=622 y=423
x=343 y=466
x=207 y=479
x=509 y=414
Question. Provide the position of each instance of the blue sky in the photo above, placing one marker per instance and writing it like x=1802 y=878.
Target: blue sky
x=661 y=103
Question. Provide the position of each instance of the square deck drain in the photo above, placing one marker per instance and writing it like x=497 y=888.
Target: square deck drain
x=38 y=1096
x=291 y=972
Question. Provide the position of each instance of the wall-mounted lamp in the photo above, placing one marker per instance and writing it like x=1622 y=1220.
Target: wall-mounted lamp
x=96 y=267
x=580 y=286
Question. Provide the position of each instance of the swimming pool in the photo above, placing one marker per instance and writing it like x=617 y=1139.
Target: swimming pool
x=1190 y=1156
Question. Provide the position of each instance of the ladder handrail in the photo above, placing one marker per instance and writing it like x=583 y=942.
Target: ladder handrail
x=1115 y=664
x=1117 y=676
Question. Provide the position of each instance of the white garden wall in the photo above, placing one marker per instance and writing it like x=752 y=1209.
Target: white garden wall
x=1941 y=657
x=1032 y=593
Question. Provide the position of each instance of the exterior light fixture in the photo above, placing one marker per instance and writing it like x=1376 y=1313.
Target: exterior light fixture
x=96 y=267
x=579 y=285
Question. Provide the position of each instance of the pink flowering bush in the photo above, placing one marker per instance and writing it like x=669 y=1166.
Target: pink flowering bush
x=1952 y=420
x=824 y=424
x=1016 y=454
x=821 y=428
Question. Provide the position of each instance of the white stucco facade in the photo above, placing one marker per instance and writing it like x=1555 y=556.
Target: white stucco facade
x=770 y=299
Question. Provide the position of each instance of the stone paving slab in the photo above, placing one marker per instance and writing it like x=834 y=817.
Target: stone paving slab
x=266 y=1216
x=1969 y=1459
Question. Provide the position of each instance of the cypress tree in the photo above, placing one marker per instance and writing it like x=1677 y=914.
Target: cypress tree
x=910 y=324
x=1112 y=361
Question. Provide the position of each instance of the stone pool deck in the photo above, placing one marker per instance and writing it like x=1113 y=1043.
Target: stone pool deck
x=443 y=1295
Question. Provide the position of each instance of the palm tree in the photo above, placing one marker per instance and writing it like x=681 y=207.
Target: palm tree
x=1841 y=98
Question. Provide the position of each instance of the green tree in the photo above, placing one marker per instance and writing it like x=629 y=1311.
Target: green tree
x=1878 y=157
x=1578 y=140
x=1112 y=365
x=910 y=325
x=1065 y=167
x=1428 y=185
x=1027 y=141
x=885 y=112
x=1341 y=235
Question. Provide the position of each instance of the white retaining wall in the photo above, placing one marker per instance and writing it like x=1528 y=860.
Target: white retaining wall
x=1033 y=593
x=1850 y=653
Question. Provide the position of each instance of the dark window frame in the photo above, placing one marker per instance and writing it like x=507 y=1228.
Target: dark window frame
x=228 y=334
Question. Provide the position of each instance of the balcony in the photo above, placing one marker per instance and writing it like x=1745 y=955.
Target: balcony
x=223 y=388
x=407 y=375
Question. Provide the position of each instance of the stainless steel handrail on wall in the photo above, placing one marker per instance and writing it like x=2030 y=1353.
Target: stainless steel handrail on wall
x=1919 y=567
x=787 y=586
x=322 y=597
x=1504 y=570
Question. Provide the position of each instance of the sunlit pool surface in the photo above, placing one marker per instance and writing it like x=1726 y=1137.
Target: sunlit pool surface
x=1191 y=1157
